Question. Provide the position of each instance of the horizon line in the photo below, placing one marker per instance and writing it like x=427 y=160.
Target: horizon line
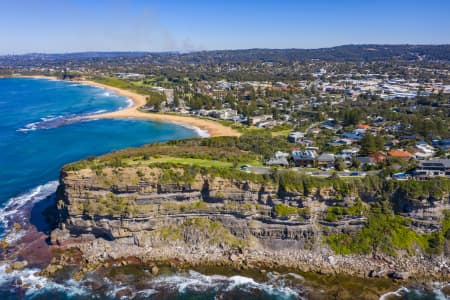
x=213 y=50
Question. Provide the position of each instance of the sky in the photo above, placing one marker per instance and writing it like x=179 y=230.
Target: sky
x=59 y=26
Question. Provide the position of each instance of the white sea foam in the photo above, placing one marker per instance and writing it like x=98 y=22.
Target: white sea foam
x=296 y=276
x=130 y=102
x=397 y=293
x=70 y=288
x=49 y=117
x=113 y=290
x=419 y=293
x=38 y=284
x=146 y=292
x=15 y=205
x=192 y=281
x=198 y=282
x=200 y=132
x=42 y=124
x=53 y=122
x=100 y=111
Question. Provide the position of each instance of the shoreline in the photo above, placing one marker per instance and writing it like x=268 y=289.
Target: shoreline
x=202 y=127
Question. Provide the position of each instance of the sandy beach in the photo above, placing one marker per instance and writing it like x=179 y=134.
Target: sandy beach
x=206 y=126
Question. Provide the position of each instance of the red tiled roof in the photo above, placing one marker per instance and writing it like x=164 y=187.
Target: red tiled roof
x=378 y=156
x=400 y=153
x=363 y=126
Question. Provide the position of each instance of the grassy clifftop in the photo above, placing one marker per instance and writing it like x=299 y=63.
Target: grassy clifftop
x=223 y=157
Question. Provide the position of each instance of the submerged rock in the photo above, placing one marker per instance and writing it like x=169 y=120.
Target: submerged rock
x=155 y=270
x=19 y=265
x=400 y=275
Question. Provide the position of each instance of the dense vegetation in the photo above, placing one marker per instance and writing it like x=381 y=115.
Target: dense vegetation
x=383 y=233
x=340 y=53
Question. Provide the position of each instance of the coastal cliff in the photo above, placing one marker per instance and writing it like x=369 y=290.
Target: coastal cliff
x=159 y=203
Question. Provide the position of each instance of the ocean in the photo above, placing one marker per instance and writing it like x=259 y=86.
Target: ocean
x=40 y=131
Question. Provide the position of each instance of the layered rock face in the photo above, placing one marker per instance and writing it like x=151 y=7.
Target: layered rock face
x=133 y=202
x=141 y=211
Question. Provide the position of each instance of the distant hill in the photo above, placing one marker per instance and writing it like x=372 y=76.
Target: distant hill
x=339 y=53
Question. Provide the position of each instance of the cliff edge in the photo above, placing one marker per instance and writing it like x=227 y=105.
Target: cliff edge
x=192 y=203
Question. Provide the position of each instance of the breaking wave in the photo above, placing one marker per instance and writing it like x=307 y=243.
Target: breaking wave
x=194 y=284
x=200 y=132
x=51 y=122
x=15 y=206
x=410 y=293
x=34 y=284
x=277 y=286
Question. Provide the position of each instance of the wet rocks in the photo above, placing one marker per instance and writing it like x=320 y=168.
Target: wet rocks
x=51 y=269
x=58 y=236
x=399 y=275
x=155 y=270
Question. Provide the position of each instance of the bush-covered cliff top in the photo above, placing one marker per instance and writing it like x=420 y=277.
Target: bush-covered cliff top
x=223 y=157
x=249 y=148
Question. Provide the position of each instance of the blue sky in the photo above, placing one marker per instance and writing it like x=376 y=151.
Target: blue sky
x=145 y=25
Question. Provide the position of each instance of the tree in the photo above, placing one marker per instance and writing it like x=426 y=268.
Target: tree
x=379 y=142
x=352 y=117
x=155 y=100
x=356 y=163
x=231 y=100
x=371 y=143
x=176 y=100
x=368 y=144
x=339 y=164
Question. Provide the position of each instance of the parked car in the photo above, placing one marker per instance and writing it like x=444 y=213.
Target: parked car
x=400 y=176
x=245 y=167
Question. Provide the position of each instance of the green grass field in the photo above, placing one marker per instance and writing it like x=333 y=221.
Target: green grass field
x=185 y=161
x=180 y=160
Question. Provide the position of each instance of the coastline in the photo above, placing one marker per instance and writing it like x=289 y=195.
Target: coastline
x=213 y=128
x=204 y=128
x=184 y=263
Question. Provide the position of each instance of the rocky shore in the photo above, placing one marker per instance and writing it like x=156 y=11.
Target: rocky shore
x=219 y=221
x=98 y=251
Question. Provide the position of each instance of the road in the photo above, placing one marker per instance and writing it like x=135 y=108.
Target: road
x=268 y=171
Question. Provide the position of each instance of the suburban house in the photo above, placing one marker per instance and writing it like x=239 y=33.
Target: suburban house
x=442 y=144
x=348 y=153
x=331 y=124
x=400 y=154
x=259 y=119
x=340 y=142
x=304 y=158
x=433 y=168
x=266 y=124
x=366 y=161
x=363 y=126
x=225 y=114
x=326 y=160
x=279 y=159
x=352 y=136
x=378 y=156
x=133 y=76
x=296 y=136
x=423 y=150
